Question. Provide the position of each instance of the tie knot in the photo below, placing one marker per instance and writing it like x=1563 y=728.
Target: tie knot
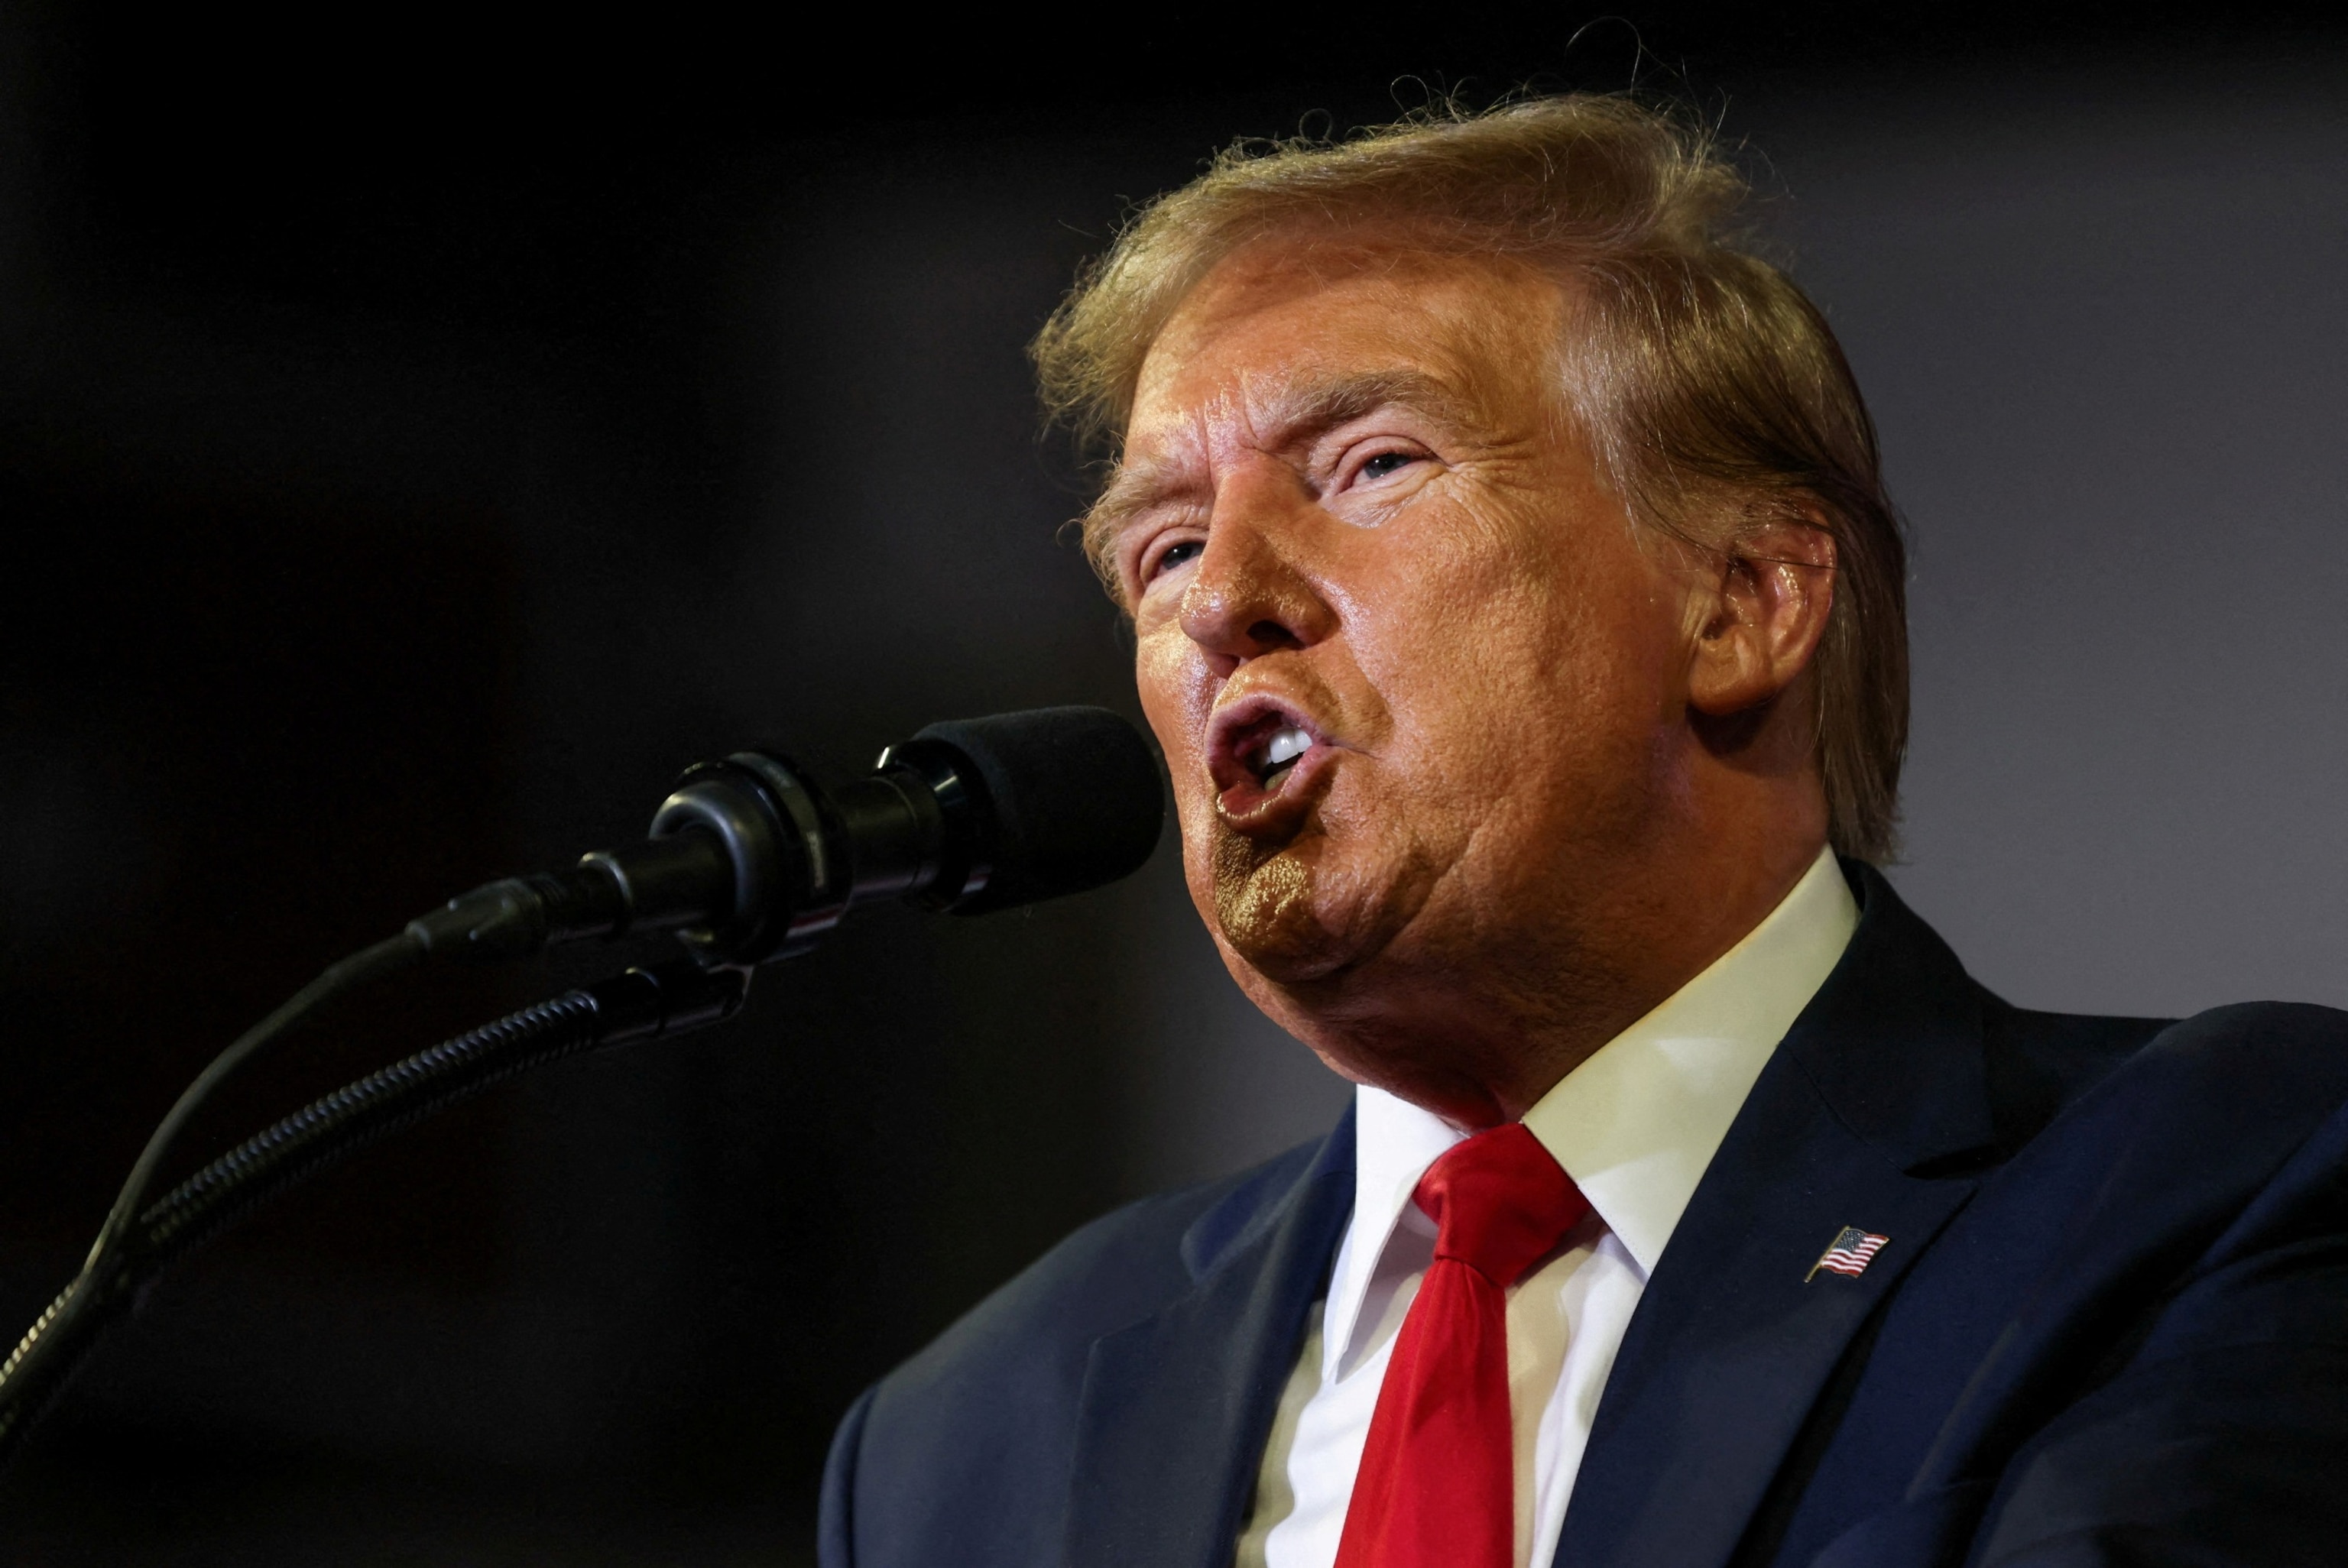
x=1499 y=1203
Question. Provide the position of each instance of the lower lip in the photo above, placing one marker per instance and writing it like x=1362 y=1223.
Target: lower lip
x=1250 y=807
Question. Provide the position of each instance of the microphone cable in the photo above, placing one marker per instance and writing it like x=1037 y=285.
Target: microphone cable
x=385 y=959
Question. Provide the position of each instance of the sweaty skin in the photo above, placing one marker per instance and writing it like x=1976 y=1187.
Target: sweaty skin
x=1556 y=765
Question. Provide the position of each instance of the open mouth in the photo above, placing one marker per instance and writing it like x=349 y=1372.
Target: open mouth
x=1261 y=751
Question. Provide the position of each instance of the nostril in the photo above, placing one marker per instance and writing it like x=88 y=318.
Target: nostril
x=1271 y=634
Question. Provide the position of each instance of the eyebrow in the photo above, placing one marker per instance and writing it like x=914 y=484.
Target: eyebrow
x=1299 y=413
x=1308 y=407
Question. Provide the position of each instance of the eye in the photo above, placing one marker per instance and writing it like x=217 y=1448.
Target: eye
x=1172 y=556
x=1382 y=465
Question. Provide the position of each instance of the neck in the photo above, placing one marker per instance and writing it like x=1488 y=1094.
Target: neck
x=1480 y=1042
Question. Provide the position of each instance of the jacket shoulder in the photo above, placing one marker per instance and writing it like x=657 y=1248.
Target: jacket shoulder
x=2041 y=1064
x=968 y=1445
x=2188 y=1345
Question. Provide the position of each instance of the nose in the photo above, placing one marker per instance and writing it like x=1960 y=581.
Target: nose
x=1253 y=592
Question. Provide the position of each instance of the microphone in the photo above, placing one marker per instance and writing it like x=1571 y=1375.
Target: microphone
x=750 y=859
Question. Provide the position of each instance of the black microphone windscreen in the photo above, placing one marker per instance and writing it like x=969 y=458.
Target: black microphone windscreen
x=1078 y=799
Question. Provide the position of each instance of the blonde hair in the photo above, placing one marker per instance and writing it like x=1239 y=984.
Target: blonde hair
x=1711 y=390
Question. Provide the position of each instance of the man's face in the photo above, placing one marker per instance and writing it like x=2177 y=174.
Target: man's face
x=1416 y=679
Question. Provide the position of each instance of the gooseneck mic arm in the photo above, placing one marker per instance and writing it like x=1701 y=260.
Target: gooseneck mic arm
x=747 y=860
x=750 y=859
x=642 y=1004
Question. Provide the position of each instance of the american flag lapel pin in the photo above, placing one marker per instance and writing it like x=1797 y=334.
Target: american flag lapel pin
x=1850 y=1252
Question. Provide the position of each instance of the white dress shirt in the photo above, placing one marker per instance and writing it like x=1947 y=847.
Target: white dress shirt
x=1634 y=1126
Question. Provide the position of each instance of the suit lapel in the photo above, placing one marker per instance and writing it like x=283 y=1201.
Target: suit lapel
x=1176 y=1409
x=1879 y=1086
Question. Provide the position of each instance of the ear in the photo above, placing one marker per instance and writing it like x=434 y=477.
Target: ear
x=1764 y=613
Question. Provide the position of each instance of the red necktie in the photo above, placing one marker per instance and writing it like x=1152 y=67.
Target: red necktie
x=1438 y=1483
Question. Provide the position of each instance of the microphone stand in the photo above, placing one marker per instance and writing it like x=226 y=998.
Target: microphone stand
x=747 y=860
x=641 y=1004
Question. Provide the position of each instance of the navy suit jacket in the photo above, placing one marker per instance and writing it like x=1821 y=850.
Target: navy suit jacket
x=2110 y=1325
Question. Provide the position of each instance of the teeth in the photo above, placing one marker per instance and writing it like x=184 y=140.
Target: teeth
x=1286 y=747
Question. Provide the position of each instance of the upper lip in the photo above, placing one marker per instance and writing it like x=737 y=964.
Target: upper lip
x=1239 y=732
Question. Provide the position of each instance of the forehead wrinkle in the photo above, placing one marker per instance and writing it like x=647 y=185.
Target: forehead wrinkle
x=1138 y=482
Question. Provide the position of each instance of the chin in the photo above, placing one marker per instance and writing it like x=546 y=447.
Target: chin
x=1302 y=916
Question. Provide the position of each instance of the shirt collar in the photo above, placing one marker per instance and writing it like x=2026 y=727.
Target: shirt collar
x=1636 y=1123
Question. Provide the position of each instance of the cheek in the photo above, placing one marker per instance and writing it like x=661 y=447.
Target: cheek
x=1518 y=667
x=1170 y=679
x=1473 y=646
x=1177 y=695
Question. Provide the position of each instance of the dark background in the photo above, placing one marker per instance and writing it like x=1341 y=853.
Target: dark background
x=423 y=431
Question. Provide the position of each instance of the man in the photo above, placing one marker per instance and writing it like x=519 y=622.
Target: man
x=1520 y=610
